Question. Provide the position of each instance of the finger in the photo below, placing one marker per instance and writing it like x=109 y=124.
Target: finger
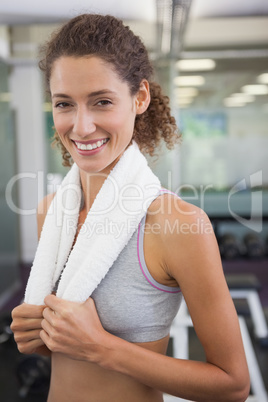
x=49 y=315
x=54 y=302
x=52 y=343
x=46 y=326
x=45 y=339
x=22 y=324
x=30 y=347
x=89 y=302
x=28 y=311
x=27 y=336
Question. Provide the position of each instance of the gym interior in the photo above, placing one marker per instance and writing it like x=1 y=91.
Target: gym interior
x=211 y=58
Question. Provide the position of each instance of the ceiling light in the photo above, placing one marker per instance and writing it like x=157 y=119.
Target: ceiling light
x=243 y=97
x=188 y=80
x=187 y=91
x=232 y=102
x=255 y=89
x=196 y=65
x=263 y=78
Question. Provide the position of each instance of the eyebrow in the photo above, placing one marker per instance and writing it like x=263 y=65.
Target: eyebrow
x=91 y=95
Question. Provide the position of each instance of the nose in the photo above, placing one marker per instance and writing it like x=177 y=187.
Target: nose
x=83 y=124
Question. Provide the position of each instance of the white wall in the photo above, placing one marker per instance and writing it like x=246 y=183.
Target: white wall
x=27 y=101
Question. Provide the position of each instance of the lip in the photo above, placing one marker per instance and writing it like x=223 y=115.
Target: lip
x=87 y=152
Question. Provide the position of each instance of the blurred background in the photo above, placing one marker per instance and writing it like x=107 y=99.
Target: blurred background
x=211 y=58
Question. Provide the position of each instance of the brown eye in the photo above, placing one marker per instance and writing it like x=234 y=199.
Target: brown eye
x=62 y=105
x=104 y=102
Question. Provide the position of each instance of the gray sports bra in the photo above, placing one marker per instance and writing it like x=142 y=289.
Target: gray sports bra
x=131 y=304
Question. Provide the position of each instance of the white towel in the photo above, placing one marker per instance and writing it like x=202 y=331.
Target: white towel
x=113 y=218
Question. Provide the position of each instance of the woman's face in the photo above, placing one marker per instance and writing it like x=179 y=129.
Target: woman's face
x=93 y=111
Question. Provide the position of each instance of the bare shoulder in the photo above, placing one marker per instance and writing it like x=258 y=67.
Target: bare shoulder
x=42 y=209
x=170 y=211
x=185 y=234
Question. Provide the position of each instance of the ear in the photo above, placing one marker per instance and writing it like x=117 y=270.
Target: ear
x=143 y=97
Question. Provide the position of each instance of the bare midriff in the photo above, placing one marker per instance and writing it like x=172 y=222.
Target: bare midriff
x=79 y=381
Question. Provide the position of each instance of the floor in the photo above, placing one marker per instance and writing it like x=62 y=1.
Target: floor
x=13 y=365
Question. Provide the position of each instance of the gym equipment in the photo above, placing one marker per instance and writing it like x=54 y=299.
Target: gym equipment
x=180 y=334
x=254 y=246
x=33 y=373
x=229 y=246
x=5 y=331
x=246 y=286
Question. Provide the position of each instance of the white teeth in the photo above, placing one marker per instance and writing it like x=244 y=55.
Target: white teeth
x=89 y=147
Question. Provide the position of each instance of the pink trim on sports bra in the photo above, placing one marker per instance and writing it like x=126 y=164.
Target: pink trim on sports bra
x=164 y=288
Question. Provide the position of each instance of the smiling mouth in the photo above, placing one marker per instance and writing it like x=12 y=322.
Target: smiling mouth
x=90 y=147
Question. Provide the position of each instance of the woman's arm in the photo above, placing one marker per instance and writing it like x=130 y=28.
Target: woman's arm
x=190 y=256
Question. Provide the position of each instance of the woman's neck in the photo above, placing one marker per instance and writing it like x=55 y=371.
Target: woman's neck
x=91 y=185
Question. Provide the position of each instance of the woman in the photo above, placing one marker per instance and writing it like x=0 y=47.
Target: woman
x=99 y=77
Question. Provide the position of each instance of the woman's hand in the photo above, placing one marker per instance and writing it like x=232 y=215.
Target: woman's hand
x=73 y=329
x=26 y=326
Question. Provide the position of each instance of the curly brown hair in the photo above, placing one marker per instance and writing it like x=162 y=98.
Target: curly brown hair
x=108 y=38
